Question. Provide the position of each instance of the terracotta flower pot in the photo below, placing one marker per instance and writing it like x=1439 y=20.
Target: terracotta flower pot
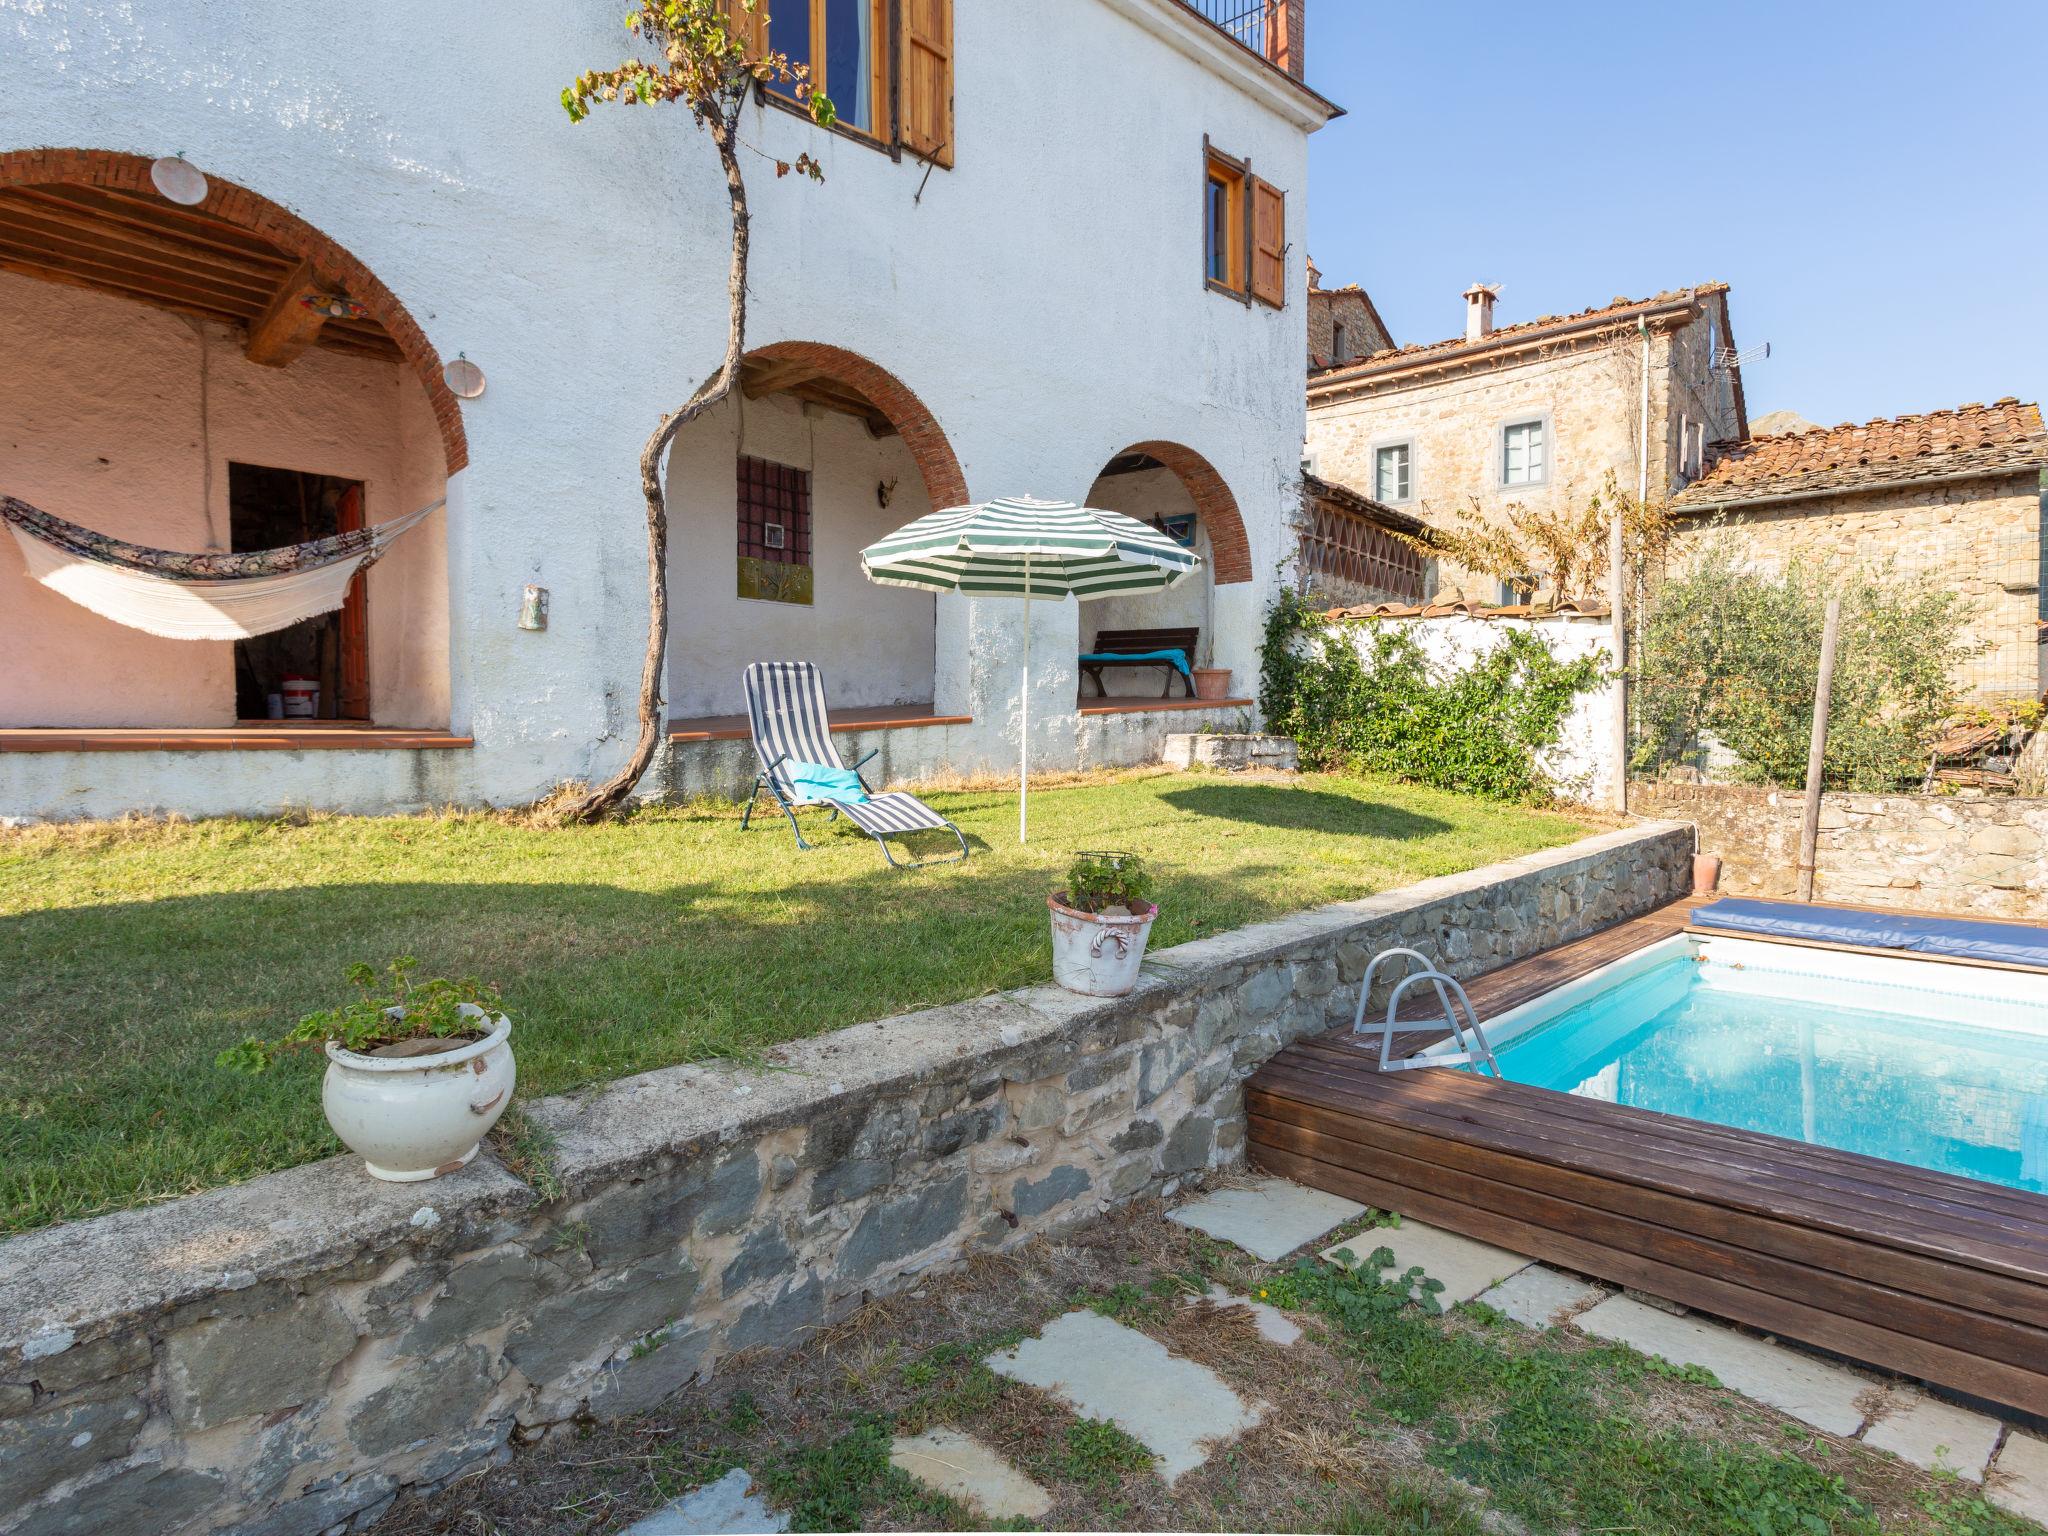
x=1212 y=682
x=1706 y=873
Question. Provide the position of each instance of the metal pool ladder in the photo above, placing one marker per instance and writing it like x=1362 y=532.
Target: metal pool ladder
x=1472 y=1050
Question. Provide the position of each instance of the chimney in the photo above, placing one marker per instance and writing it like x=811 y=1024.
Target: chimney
x=1284 y=35
x=1479 y=310
x=1315 y=276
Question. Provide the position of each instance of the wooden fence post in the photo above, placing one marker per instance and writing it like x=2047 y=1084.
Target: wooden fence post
x=1817 y=747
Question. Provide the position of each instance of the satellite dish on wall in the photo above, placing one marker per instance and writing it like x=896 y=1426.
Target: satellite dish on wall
x=179 y=180
x=463 y=377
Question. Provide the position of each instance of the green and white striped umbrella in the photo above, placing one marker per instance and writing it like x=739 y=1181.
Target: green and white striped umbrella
x=1019 y=546
x=1066 y=550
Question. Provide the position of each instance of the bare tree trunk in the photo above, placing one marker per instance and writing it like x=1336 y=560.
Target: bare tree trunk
x=608 y=796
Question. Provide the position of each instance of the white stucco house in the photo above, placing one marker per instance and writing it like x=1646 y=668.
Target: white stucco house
x=1056 y=252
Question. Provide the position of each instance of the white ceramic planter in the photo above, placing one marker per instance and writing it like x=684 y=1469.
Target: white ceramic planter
x=1098 y=956
x=413 y=1117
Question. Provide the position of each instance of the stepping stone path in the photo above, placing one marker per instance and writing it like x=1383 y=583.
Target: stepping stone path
x=1465 y=1267
x=1822 y=1395
x=958 y=1464
x=713 y=1510
x=1542 y=1297
x=1175 y=1408
x=1269 y=1219
x=1936 y=1435
x=2019 y=1482
x=1274 y=1326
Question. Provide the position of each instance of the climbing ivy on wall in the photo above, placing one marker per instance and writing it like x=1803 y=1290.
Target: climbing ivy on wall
x=1383 y=707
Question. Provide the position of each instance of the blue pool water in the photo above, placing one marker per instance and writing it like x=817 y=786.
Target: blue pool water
x=1920 y=1078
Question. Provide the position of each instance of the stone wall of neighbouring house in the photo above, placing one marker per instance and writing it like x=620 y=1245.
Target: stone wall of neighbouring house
x=288 y=1354
x=1931 y=853
x=1979 y=538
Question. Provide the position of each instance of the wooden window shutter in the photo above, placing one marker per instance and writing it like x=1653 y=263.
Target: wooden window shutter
x=1269 y=243
x=749 y=27
x=927 y=82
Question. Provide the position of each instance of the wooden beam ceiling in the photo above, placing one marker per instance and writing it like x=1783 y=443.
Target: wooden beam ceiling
x=809 y=383
x=146 y=249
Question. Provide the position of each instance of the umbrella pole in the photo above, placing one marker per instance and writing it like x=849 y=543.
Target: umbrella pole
x=1024 y=719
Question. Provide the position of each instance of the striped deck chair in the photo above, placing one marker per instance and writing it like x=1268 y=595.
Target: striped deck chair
x=786 y=714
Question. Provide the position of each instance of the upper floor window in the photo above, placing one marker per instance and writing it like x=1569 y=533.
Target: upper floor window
x=1340 y=344
x=897 y=97
x=1391 y=472
x=1244 y=231
x=1524 y=453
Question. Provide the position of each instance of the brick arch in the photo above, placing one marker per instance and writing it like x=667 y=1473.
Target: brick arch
x=944 y=484
x=1230 y=550
x=282 y=228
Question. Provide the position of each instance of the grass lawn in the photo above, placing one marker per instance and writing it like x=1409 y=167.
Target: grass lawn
x=1383 y=1421
x=131 y=953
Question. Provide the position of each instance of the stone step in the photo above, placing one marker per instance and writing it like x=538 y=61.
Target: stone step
x=1269 y=1219
x=716 y=1509
x=952 y=1462
x=1178 y=1409
x=1465 y=1267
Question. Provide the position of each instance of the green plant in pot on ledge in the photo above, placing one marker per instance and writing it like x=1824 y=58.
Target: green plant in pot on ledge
x=1100 y=923
x=417 y=1072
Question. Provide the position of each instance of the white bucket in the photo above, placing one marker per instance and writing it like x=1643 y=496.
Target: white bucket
x=1098 y=956
x=301 y=698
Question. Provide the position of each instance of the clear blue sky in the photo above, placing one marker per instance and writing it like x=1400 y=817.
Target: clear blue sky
x=1867 y=177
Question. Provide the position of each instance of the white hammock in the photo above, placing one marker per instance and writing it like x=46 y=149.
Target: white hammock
x=196 y=597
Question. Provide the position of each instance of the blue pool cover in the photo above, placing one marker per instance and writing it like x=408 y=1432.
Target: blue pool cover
x=1955 y=937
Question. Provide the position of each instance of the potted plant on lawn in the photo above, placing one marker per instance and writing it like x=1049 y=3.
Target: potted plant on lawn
x=417 y=1072
x=1100 y=923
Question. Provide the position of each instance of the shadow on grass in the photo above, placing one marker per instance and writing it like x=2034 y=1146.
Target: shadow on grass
x=1297 y=808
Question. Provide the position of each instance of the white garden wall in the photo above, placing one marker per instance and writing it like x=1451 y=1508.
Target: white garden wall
x=1581 y=766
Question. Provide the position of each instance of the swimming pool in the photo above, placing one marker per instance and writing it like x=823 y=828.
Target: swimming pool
x=1940 y=1066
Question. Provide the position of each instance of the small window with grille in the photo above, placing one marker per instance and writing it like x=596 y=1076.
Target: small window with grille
x=774 y=531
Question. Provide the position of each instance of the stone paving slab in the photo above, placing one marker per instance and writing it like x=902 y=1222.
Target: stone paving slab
x=2019 y=1484
x=723 y=1508
x=958 y=1464
x=1822 y=1395
x=1274 y=1326
x=1176 y=1408
x=1465 y=1267
x=1270 y=1219
x=1936 y=1435
x=1542 y=1297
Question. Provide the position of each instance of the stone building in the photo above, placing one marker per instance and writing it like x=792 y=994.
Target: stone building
x=1955 y=496
x=1343 y=325
x=1537 y=413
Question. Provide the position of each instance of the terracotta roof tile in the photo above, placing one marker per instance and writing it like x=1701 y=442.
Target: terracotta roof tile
x=1507 y=334
x=2005 y=435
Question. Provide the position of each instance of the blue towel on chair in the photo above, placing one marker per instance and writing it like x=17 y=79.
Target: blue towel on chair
x=815 y=781
x=1178 y=660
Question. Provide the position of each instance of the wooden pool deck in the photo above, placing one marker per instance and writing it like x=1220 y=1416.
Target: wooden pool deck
x=1928 y=1274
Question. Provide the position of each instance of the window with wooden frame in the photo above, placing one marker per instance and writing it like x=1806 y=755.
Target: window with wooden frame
x=886 y=64
x=1244 y=231
x=774 y=531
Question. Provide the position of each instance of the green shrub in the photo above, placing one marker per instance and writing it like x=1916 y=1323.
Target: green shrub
x=1732 y=655
x=1480 y=731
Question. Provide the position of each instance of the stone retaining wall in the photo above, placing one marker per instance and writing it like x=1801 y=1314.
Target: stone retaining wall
x=1931 y=853
x=283 y=1357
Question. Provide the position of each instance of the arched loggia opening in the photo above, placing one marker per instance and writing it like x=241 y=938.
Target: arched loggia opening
x=773 y=494
x=220 y=377
x=1177 y=490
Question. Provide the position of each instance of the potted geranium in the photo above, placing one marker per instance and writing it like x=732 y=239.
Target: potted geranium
x=1100 y=923
x=417 y=1072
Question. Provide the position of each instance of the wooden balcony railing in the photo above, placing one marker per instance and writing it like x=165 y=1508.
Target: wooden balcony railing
x=1270 y=28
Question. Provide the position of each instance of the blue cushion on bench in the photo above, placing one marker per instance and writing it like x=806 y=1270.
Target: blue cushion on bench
x=1955 y=937
x=1178 y=660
